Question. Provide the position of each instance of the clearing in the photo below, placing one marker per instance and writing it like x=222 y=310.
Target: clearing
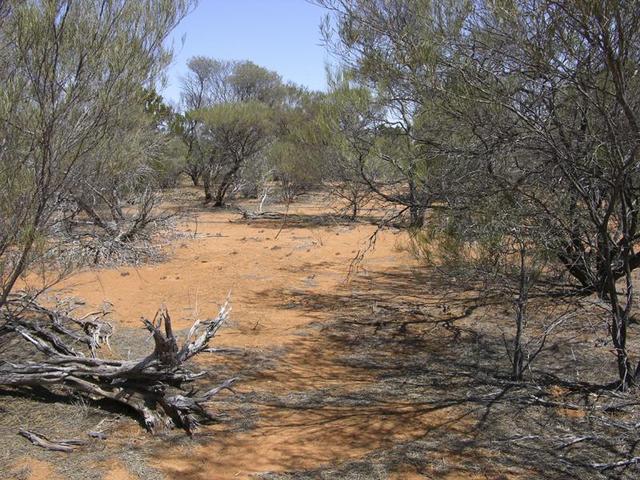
x=344 y=372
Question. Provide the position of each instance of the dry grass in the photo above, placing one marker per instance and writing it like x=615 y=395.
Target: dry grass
x=500 y=429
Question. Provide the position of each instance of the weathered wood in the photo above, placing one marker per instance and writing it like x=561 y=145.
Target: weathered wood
x=54 y=445
x=153 y=386
x=97 y=435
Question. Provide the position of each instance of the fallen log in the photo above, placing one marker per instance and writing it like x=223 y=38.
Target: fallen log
x=153 y=386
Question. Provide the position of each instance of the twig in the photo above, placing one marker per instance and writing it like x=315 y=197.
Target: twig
x=621 y=463
x=53 y=445
x=147 y=385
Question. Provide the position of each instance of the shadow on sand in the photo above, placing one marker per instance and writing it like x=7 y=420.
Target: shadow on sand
x=402 y=383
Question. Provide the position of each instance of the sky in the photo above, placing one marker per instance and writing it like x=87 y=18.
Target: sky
x=281 y=35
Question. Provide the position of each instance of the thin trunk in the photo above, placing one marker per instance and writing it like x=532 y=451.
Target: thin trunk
x=17 y=271
x=618 y=325
x=206 y=181
x=416 y=213
x=220 y=194
x=619 y=337
x=195 y=178
x=95 y=217
x=521 y=307
x=354 y=210
x=225 y=183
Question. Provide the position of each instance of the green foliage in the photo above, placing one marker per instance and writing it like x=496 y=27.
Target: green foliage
x=298 y=154
x=244 y=127
x=517 y=125
x=243 y=116
x=161 y=113
x=250 y=82
x=70 y=73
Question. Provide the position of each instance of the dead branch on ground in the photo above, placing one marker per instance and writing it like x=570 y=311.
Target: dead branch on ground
x=154 y=386
x=54 y=445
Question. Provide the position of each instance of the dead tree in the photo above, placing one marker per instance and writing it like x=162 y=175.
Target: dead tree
x=154 y=386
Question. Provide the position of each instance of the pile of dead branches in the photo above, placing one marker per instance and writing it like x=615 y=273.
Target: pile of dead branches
x=58 y=352
x=247 y=215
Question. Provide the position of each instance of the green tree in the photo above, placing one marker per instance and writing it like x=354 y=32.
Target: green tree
x=347 y=131
x=252 y=83
x=537 y=98
x=397 y=50
x=231 y=134
x=206 y=84
x=211 y=83
x=296 y=157
x=70 y=71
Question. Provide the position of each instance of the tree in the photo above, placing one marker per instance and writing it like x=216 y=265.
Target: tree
x=230 y=135
x=490 y=243
x=297 y=155
x=70 y=71
x=168 y=162
x=118 y=184
x=205 y=84
x=501 y=98
x=211 y=83
x=344 y=130
x=72 y=74
x=571 y=97
x=249 y=82
x=392 y=49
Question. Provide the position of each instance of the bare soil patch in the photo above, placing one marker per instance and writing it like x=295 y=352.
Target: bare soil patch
x=390 y=372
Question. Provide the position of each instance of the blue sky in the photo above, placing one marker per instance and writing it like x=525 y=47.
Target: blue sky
x=282 y=35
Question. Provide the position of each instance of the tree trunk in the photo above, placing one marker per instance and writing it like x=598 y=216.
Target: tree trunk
x=618 y=330
x=220 y=194
x=206 y=181
x=521 y=311
x=225 y=183
x=416 y=216
x=618 y=323
x=195 y=178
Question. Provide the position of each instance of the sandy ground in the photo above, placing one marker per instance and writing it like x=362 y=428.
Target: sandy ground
x=220 y=256
x=387 y=370
x=245 y=261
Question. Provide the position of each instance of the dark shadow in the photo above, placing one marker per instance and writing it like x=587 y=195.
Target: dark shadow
x=406 y=380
